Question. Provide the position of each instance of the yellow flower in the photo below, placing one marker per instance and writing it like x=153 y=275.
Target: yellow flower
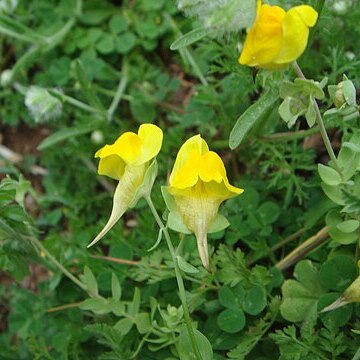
x=277 y=37
x=198 y=184
x=129 y=160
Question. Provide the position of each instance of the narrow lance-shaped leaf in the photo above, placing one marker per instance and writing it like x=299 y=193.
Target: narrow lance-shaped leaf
x=190 y=38
x=248 y=119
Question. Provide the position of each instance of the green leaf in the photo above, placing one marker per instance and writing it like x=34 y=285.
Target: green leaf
x=329 y=175
x=268 y=212
x=185 y=266
x=301 y=87
x=142 y=322
x=349 y=161
x=310 y=114
x=115 y=287
x=67 y=133
x=333 y=193
x=342 y=237
x=96 y=305
x=298 y=302
x=175 y=223
x=118 y=23
x=248 y=119
x=348 y=226
x=125 y=42
x=124 y=325
x=231 y=320
x=300 y=297
x=190 y=38
x=143 y=110
x=184 y=346
x=255 y=300
x=106 y=44
x=338 y=273
x=134 y=306
x=338 y=317
x=349 y=92
x=86 y=86
x=231 y=298
x=157 y=242
x=219 y=223
x=286 y=113
x=90 y=281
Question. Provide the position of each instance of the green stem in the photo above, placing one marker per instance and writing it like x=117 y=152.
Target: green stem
x=320 y=123
x=120 y=90
x=73 y=278
x=179 y=278
x=64 y=98
x=185 y=52
x=16 y=35
x=27 y=57
x=77 y=103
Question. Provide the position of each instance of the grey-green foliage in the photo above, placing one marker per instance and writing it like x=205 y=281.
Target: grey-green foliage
x=327 y=343
x=224 y=15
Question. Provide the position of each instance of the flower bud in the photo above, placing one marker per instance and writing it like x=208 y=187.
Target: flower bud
x=344 y=94
x=350 y=295
x=8 y=5
x=42 y=105
x=341 y=7
x=97 y=137
x=339 y=99
x=6 y=78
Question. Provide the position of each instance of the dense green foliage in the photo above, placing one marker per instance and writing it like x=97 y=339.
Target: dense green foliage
x=74 y=75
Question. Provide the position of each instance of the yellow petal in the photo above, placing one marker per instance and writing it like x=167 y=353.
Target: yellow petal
x=295 y=26
x=112 y=166
x=151 y=137
x=307 y=14
x=130 y=149
x=263 y=40
x=190 y=150
x=211 y=167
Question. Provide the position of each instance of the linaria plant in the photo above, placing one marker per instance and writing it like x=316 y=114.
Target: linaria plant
x=220 y=216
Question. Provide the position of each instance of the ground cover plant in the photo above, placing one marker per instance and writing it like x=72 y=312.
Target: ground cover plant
x=179 y=179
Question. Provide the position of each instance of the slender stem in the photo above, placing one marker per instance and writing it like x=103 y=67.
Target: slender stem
x=288 y=239
x=179 y=278
x=120 y=90
x=27 y=57
x=186 y=52
x=320 y=123
x=289 y=135
x=116 y=260
x=16 y=35
x=73 y=278
x=76 y=103
x=303 y=249
x=64 y=307
x=277 y=246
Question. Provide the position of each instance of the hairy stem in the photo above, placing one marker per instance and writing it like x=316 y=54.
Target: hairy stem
x=179 y=278
x=320 y=122
x=120 y=90
x=54 y=261
x=303 y=249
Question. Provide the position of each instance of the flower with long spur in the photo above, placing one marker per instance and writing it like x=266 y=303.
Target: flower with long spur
x=277 y=37
x=197 y=186
x=131 y=161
